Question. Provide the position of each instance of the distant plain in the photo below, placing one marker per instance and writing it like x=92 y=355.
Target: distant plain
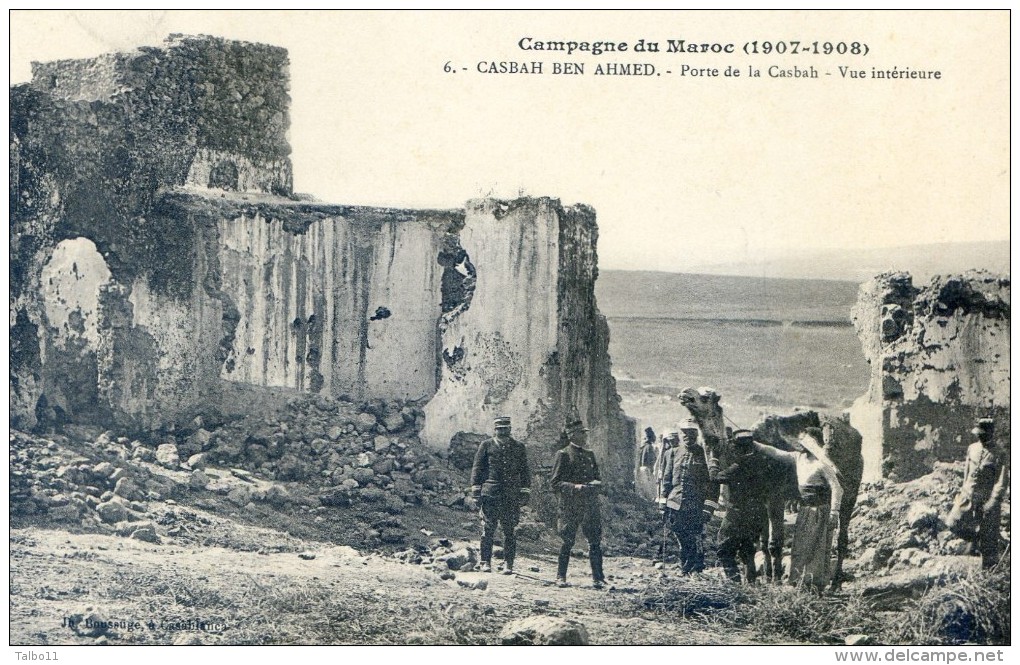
x=766 y=345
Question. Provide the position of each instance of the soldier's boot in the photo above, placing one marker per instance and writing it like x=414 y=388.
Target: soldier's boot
x=728 y=561
x=776 y=553
x=486 y=553
x=485 y=567
x=750 y=566
x=561 y=569
x=509 y=553
x=595 y=557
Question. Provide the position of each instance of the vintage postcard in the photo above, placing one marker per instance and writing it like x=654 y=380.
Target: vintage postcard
x=507 y=328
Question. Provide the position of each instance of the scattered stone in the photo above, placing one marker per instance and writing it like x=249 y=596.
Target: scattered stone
x=167 y=456
x=544 y=630
x=922 y=516
x=198 y=480
x=128 y=489
x=144 y=454
x=201 y=439
x=307 y=556
x=541 y=602
x=103 y=470
x=112 y=512
x=447 y=575
x=58 y=500
x=858 y=639
x=242 y=474
x=372 y=494
x=381 y=443
x=384 y=466
x=198 y=461
x=240 y=496
x=277 y=495
x=146 y=534
x=66 y=513
x=365 y=422
x=463 y=559
x=362 y=475
x=958 y=547
x=394 y=422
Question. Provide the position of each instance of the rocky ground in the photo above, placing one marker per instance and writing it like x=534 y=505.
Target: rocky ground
x=329 y=522
x=898 y=527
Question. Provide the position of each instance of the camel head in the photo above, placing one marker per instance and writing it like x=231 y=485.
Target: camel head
x=703 y=405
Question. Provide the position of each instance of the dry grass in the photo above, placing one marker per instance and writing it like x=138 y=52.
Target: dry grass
x=973 y=608
x=298 y=611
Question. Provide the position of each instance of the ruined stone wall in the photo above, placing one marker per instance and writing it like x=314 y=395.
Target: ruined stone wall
x=95 y=146
x=939 y=358
x=227 y=101
x=349 y=306
x=531 y=344
x=161 y=269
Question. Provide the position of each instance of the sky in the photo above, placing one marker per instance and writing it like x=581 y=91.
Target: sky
x=682 y=171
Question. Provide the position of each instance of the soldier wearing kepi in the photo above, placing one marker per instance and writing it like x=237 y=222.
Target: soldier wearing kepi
x=977 y=510
x=748 y=480
x=683 y=484
x=575 y=479
x=501 y=482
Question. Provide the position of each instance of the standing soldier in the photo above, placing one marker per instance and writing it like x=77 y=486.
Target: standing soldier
x=748 y=480
x=501 y=481
x=683 y=484
x=575 y=479
x=977 y=511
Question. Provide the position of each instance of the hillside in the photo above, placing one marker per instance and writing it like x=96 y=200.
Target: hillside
x=857 y=264
x=663 y=295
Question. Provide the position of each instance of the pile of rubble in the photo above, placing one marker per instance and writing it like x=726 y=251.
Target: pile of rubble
x=315 y=455
x=901 y=526
x=368 y=452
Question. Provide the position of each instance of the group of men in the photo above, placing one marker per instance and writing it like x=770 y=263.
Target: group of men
x=686 y=479
x=501 y=483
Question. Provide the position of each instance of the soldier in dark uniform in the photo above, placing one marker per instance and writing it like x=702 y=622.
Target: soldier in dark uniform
x=683 y=484
x=748 y=479
x=575 y=479
x=977 y=511
x=501 y=481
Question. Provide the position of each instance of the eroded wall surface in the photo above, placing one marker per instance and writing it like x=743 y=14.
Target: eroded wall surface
x=939 y=356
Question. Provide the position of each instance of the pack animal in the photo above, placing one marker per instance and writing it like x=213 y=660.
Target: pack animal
x=842 y=445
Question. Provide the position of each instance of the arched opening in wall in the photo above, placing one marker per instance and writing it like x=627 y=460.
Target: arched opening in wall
x=224 y=176
x=70 y=284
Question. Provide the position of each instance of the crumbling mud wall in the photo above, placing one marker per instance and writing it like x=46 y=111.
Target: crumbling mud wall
x=162 y=268
x=530 y=343
x=939 y=358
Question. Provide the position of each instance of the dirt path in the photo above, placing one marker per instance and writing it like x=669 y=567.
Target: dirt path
x=339 y=596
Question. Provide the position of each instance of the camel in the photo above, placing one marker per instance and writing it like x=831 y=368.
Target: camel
x=842 y=445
